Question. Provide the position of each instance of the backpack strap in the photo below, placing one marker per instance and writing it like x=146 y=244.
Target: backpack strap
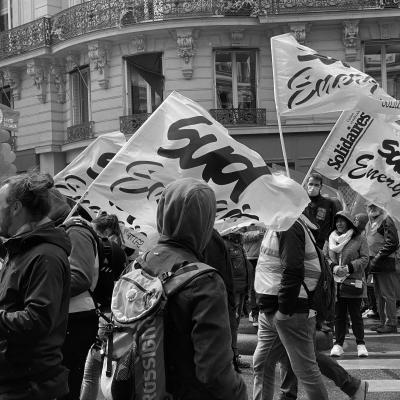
x=183 y=275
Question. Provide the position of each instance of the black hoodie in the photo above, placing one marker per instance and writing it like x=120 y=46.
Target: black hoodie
x=198 y=338
x=34 y=298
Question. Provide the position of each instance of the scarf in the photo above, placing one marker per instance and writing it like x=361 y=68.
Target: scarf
x=337 y=242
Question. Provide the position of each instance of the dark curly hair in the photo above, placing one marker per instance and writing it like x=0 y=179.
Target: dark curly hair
x=32 y=191
x=108 y=221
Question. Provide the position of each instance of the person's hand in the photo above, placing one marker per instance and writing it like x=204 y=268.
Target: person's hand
x=342 y=271
x=282 y=317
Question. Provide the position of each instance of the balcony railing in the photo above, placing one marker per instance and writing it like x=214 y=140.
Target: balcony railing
x=79 y=132
x=129 y=124
x=99 y=15
x=240 y=116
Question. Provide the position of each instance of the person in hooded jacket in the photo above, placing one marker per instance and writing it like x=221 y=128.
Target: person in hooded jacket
x=198 y=337
x=34 y=292
x=348 y=257
x=383 y=242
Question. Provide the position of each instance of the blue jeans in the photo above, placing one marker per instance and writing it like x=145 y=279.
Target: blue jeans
x=385 y=293
x=280 y=340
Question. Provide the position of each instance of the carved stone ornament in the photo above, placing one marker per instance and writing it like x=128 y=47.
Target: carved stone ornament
x=11 y=78
x=185 y=42
x=98 y=57
x=72 y=62
x=237 y=37
x=58 y=75
x=140 y=43
x=388 y=30
x=37 y=70
x=299 y=31
x=351 y=39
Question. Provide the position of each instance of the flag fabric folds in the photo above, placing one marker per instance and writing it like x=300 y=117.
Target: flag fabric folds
x=306 y=82
x=76 y=177
x=364 y=150
x=181 y=139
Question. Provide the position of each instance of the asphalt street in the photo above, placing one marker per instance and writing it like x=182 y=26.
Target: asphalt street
x=381 y=368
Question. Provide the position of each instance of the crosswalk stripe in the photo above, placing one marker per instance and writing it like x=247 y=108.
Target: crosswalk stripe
x=366 y=363
x=383 y=385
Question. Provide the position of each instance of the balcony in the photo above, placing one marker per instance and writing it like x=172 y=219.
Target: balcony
x=231 y=117
x=80 y=132
x=100 y=15
x=129 y=124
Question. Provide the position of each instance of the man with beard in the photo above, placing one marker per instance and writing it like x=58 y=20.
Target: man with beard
x=34 y=292
x=321 y=210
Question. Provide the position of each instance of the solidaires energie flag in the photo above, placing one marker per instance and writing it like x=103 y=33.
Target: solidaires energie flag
x=306 y=82
x=364 y=151
x=181 y=139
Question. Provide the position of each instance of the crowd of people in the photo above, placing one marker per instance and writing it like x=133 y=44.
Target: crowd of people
x=51 y=333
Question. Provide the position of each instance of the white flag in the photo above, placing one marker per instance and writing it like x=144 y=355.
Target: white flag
x=181 y=139
x=306 y=82
x=364 y=150
x=76 y=177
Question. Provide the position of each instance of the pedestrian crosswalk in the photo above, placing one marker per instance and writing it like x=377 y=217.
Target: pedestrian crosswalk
x=381 y=369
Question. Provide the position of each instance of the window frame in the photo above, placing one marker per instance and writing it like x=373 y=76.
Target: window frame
x=78 y=72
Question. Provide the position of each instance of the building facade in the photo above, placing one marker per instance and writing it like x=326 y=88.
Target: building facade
x=78 y=69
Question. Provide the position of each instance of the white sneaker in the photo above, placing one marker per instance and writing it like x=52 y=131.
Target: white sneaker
x=365 y=313
x=362 y=350
x=337 y=351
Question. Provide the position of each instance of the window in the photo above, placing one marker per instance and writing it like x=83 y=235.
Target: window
x=235 y=78
x=145 y=88
x=382 y=62
x=80 y=95
x=3 y=15
x=5 y=96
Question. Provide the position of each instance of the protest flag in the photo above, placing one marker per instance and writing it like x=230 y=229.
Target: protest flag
x=76 y=177
x=181 y=139
x=364 y=150
x=306 y=82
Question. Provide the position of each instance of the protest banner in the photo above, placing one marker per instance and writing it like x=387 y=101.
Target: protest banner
x=181 y=139
x=76 y=177
x=364 y=150
x=306 y=82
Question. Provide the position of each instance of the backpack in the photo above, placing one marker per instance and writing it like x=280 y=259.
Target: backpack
x=112 y=262
x=324 y=296
x=134 y=366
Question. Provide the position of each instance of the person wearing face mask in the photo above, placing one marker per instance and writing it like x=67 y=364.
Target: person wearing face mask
x=383 y=242
x=348 y=257
x=321 y=210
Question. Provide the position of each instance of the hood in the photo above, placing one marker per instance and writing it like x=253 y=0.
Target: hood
x=45 y=233
x=186 y=214
x=59 y=207
x=347 y=216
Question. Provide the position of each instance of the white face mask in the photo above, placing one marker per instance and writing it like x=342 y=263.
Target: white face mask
x=313 y=191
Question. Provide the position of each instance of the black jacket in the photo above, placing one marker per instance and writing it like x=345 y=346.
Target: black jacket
x=34 y=297
x=198 y=339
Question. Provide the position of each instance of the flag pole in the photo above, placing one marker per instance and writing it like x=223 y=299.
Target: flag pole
x=320 y=151
x=278 y=113
x=75 y=207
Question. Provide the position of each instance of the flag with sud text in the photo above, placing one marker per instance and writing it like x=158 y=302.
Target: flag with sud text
x=364 y=150
x=306 y=82
x=181 y=139
x=76 y=177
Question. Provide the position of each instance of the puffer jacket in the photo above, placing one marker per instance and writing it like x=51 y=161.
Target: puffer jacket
x=34 y=297
x=355 y=256
x=198 y=338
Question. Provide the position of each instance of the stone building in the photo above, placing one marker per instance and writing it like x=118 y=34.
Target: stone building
x=75 y=69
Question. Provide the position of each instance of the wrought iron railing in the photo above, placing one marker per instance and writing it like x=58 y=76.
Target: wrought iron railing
x=240 y=116
x=129 y=124
x=99 y=15
x=79 y=132
x=24 y=38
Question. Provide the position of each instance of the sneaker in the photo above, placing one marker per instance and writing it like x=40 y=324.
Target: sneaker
x=362 y=350
x=365 y=313
x=255 y=321
x=375 y=327
x=240 y=363
x=337 y=351
x=370 y=313
x=362 y=391
x=387 y=329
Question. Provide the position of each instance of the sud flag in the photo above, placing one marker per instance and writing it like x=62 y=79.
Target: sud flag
x=364 y=151
x=306 y=82
x=76 y=177
x=181 y=139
